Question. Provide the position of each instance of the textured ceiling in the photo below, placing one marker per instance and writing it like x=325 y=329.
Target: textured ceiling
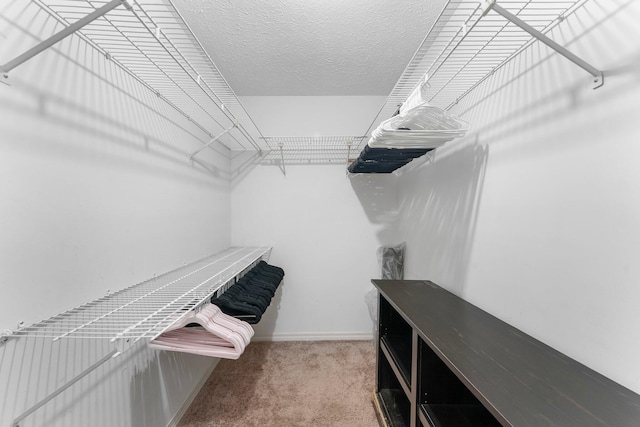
x=310 y=47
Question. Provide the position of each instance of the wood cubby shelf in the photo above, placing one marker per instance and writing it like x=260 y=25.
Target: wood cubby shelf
x=442 y=362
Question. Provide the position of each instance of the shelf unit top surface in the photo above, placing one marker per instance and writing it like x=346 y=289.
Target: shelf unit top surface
x=522 y=381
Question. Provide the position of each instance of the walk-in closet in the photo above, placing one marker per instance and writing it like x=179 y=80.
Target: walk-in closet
x=226 y=213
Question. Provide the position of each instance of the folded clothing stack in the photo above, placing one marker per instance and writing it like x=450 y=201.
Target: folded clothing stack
x=251 y=295
x=406 y=136
x=384 y=160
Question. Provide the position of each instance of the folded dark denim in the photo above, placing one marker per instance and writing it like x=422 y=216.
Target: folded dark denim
x=241 y=295
x=384 y=160
x=373 y=167
x=260 y=279
x=269 y=267
x=239 y=313
x=251 y=295
x=393 y=153
x=233 y=307
x=259 y=288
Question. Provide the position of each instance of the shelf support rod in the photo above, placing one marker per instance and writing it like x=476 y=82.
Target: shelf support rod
x=16 y=422
x=282 y=167
x=598 y=76
x=195 y=153
x=67 y=31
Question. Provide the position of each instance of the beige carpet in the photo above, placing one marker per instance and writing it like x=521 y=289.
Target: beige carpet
x=284 y=384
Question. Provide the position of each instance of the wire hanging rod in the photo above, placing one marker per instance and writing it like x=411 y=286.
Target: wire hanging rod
x=598 y=76
x=64 y=33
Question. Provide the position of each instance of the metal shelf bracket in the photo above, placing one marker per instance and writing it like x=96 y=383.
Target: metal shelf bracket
x=195 y=153
x=598 y=76
x=16 y=422
x=349 y=145
x=282 y=167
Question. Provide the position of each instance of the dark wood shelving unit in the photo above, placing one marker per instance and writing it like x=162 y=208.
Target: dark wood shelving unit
x=443 y=362
x=456 y=415
x=399 y=355
x=396 y=406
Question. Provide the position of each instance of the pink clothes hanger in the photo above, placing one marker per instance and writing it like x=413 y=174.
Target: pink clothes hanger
x=220 y=335
x=214 y=340
x=214 y=313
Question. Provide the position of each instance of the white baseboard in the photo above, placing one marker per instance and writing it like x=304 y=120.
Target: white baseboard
x=328 y=336
x=189 y=400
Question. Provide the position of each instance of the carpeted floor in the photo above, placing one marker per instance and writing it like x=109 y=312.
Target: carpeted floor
x=286 y=384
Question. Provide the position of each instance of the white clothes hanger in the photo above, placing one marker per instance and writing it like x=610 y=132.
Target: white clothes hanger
x=199 y=341
x=418 y=124
x=220 y=335
x=214 y=340
x=423 y=126
x=186 y=337
x=215 y=313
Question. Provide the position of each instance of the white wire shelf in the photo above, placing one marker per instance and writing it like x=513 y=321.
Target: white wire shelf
x=302 y=150
x=148 y=308
x=153 y=43
x=464 y=47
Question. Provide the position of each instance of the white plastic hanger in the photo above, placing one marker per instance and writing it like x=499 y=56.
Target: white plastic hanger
x=423 y=126
x=219 y=336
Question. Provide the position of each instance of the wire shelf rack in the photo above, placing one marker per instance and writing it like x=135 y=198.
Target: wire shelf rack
x=148 y=308
x=311 y=149
x=464 y=47
x=153 y=43
x=150 y=40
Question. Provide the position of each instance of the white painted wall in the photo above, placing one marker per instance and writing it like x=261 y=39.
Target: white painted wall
x=535 y=217
x=312 y=115
x=325 y=238
x=96 y=194
x=324 y=227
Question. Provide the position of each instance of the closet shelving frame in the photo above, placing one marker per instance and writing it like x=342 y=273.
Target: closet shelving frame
x=142 y=311
x=303 y=150
x=147 y=309
x=150 y=40
x=472 y=39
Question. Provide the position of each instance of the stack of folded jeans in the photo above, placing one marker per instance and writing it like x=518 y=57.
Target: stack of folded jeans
x=251 y=295
x=384 y=160
x=410 y=134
